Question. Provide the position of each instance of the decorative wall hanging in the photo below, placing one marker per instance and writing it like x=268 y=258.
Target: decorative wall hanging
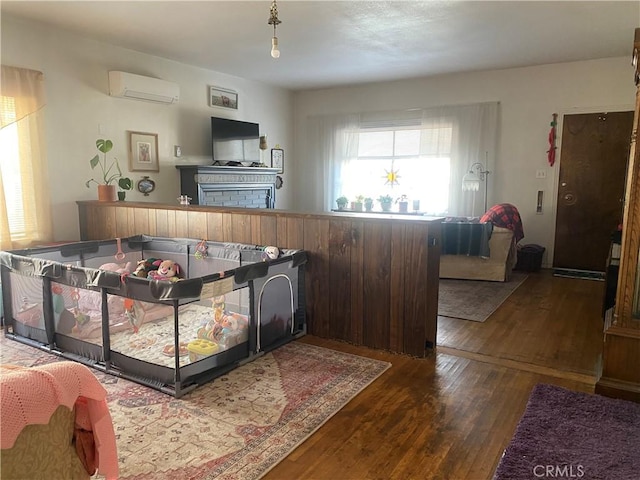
x=277 y=159
x=223 y=97
x=391 y=177
x=551 y=153
x=146 y=186
x=143 y=152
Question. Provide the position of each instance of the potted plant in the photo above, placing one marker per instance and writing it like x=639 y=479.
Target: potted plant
x=403 y=204
x=368 y=204
x=110 y=172
x=385 y=202
x=357 y=205
x=342 y=202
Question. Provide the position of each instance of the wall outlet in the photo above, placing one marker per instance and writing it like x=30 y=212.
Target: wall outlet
x=541 y=174
x=177 y=151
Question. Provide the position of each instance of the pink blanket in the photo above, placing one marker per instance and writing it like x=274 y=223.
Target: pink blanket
x=31 y=396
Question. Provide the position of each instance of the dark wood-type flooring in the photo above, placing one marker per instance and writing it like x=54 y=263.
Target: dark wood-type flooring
x=450 y=416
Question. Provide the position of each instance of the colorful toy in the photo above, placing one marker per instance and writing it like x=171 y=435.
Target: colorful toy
x=81 y=318
x=201 y=348
x=201 y=250
x=168 y=270
x=132 y=315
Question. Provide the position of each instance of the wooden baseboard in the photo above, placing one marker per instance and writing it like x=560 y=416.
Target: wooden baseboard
x=618 y=389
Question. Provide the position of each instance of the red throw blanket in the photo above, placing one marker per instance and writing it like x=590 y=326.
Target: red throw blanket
x=505 y=215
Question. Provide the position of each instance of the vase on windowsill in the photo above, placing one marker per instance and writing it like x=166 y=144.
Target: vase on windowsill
x=385 y=202
x=368 y=204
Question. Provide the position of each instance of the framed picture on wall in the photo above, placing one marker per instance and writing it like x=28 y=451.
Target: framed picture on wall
x=277 y=159
x=143 y=152
x=223 y=97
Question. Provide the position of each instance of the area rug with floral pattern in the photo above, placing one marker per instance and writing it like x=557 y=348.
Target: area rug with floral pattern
x=237 y=426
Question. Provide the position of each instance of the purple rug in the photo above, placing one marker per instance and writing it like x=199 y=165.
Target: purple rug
x=566 y=434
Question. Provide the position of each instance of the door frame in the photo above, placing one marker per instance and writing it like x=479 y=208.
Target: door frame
x=556 y=166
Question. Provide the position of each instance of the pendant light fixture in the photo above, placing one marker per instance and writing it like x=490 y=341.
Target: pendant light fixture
x=273 y=20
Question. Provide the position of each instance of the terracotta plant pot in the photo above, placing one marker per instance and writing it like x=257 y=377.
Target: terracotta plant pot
x=106 y=193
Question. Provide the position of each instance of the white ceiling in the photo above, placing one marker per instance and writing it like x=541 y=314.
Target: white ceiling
x=331 y=43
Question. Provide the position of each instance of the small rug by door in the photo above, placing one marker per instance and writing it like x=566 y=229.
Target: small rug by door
x=237 y=426
x=566 y=434
x=475 y=299
x=584 y=274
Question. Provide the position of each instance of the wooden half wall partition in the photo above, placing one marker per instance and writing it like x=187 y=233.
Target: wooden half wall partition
x=371 y=279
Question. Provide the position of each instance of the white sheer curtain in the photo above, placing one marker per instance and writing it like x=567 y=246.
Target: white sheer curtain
x=475 y=139
x=331 y=143
x=25 y=212
x=466 y=133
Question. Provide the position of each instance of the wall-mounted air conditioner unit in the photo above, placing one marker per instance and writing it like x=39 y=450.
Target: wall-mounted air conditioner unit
x=138 y=87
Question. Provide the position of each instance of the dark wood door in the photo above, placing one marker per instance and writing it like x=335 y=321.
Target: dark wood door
x=593 y=162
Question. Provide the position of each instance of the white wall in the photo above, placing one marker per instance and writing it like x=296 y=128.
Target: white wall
x=79 y=111
x=528 y=98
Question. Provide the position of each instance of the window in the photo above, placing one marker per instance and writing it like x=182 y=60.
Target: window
x=10 y=169
x=25 y=211
x=409 y=161
x=431 y=150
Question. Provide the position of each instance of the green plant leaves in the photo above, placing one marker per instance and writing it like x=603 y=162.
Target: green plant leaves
x=104 y=145
x=94 y=161
x=125 y=183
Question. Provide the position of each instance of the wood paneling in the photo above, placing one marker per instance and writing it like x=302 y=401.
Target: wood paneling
x=379 y=285
x=370 y=279
x=316 y=240
x=621 y=359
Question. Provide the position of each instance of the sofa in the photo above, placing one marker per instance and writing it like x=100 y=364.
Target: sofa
x=482 y=248
x=496 y=267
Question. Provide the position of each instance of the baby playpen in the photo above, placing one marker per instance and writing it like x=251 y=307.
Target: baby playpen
x=89 y=302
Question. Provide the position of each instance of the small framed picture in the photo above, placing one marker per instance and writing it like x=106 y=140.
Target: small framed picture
x=143 y=152
x=223 y=97
x=277 y=159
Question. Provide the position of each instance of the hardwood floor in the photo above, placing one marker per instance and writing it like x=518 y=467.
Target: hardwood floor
x=450 y=416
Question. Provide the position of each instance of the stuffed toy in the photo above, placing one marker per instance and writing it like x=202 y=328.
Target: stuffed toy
x=145 y=266
x=270 y=253
x=167 y=270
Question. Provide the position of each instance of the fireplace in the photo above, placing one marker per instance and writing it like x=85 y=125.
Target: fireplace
x=245 y=187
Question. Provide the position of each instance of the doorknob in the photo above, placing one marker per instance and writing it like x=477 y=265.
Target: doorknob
x=564 y=184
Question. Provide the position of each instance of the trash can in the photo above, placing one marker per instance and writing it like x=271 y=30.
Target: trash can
x=529 y=258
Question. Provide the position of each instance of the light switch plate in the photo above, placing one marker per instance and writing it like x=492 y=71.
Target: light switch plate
x=177 y=151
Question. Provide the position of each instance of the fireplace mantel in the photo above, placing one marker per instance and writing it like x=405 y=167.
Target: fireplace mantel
x=248 y=187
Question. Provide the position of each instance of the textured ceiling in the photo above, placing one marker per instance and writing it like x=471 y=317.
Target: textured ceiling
x=326 y=43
